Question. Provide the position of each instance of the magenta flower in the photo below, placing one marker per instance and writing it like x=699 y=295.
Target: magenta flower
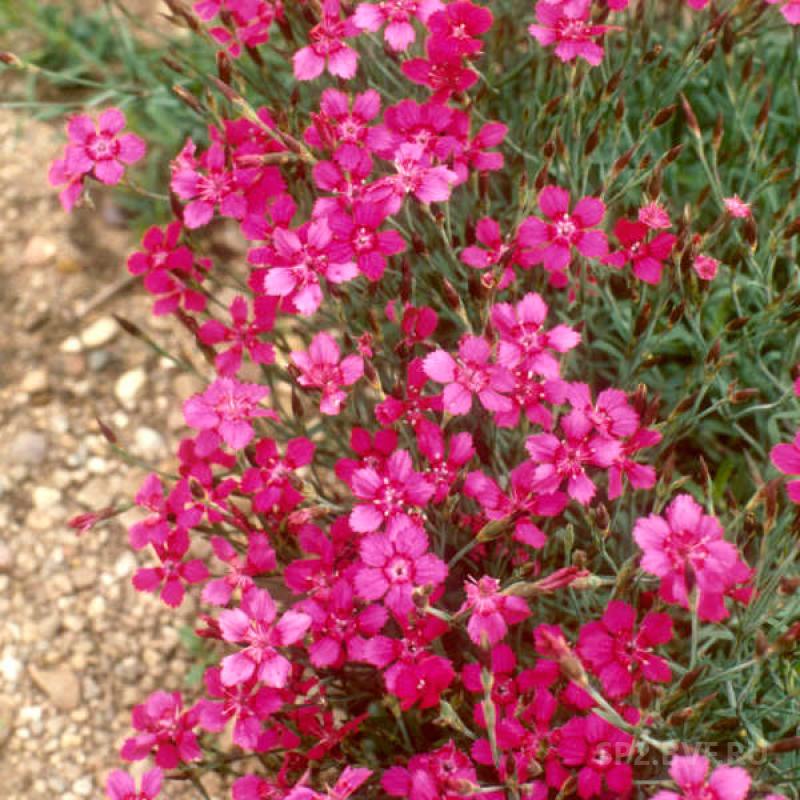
x=686 y=549
x=646 y=257
x=691 y=775
x=470 y=374
x=395 y=563
x=297 y=260
x=99 y=149
x=241 y=335
x=351 y=779
x=339 y=626
x=569 y=28
x=169 y=270
x=492 y=612
x=786 y=458
x=423 y=682
x=250 y=20
x=260 y=558
x=121 y=786
x=226 y=409
x=247 y=703
x=207 y=183
x=166 y=730
x=454 y=29
x=442 y=73
x=443 y=469
x=440 y=775
x=706 y=267
x=399 y=33
x=254 y=625
x=621 y=656
x=565 y=460
x=60 y=175
x=322 y=367
x=370 y=246
x=790 y=10
x=174 y=572
x=389 y=493
x=598 y=751
x=552 y=240
x=327 y=49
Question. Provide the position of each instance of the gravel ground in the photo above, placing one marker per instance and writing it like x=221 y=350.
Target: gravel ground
x=78 y=645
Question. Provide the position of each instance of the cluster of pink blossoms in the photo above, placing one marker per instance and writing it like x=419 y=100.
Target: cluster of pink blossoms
x=410 y=563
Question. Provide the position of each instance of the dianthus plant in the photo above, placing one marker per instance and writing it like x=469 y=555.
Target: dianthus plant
x=476 y=498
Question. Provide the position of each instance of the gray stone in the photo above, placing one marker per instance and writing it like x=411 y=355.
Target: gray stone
x=29 y=447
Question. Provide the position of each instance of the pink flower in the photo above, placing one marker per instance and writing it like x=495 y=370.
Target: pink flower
x=327 y=49
x=339 y=625
x=173 y=572
x=561 y=460
x=390 y=492
x=786 y=458
x=250 y=20
x=296 y=261
x=99 y=149
x=470 y=374
x=706 y=267
x=254 y=626
x=686 y=549
x=241 y=334
x=395 y=563
x=790 y=10
x=442 y=73
x=654 y=216
x=568 y=26
x=645 y=256
x=444 y=774
x=691 y=775
x=169 y=270
x=454 y=29
x=121 y=786
x=166 y=729
x=492 y=612
x=619 y=656
x=225 y=411
x=322 y=367
x=370 y=245
x=554 y=239
x=396 y=15
x=248 y=704
x=736 y=207
x=259 y=560
x=423 y=682
x=443 y=471
x=59 y=175
x=351 y=779
x=598 y=750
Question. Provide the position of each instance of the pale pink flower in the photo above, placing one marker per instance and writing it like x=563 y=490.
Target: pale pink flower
x=686 y=549
x=121 y=786
x=327 y=49
x=471 y=373
x=397 y=15
x=570 y=29
x=552 y=239
x=655 y=216
x=395 y=563
x=737 y=207
x=492 y=612
x=691 y=775
x=254 y=626
x=226 y=409
x=786 y=458
x=322 y=367
x=706 y=267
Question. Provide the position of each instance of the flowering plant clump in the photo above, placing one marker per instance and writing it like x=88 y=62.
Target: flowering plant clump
x=482 y=459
